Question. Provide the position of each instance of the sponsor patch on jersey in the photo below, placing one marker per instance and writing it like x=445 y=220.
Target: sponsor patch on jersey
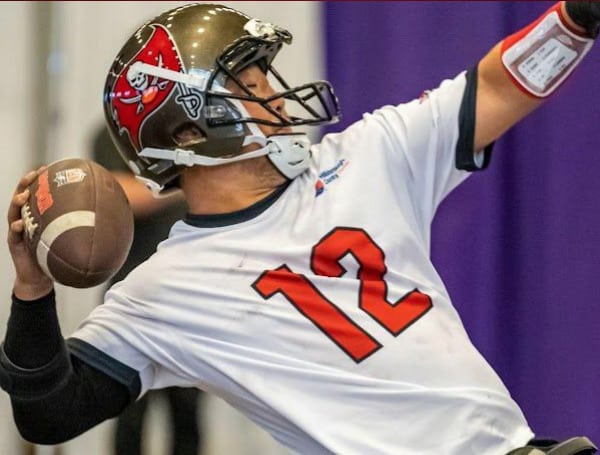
x=329 y=176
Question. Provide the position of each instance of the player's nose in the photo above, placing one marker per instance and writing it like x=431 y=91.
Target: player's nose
x=278 y=104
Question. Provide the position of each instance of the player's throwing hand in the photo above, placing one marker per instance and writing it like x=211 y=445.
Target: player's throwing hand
x=30 y=281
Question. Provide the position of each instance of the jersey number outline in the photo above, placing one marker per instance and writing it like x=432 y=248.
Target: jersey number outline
x=326 y=255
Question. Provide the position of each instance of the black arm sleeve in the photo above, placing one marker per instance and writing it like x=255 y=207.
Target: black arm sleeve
x=87 y=398
x=58 y=389
x=465 y=147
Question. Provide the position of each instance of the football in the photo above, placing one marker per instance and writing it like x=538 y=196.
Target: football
x=78 y=223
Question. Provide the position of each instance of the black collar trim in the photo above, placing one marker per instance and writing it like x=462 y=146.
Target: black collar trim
x=228 y=219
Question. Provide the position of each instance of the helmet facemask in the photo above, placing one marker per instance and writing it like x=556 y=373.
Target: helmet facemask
x=313 y=103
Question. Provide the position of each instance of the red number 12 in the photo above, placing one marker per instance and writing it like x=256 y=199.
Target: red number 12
x=333 y=322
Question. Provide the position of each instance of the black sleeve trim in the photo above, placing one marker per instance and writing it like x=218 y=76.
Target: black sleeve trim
x=111 y=367
x=465 y=153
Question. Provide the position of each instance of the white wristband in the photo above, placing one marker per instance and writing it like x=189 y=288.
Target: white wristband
x=542 y=59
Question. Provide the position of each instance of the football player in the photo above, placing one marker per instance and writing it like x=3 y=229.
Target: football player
x=299 y=286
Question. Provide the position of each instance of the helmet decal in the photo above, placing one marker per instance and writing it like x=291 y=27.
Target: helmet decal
x=136 y=95
x=190 y=100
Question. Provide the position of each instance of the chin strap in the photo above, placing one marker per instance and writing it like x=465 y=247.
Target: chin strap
x=289 y=153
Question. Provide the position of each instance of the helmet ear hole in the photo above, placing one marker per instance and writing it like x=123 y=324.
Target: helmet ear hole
x=188 y=134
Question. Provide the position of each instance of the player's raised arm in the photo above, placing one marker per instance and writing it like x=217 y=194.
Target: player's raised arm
x=519 y=73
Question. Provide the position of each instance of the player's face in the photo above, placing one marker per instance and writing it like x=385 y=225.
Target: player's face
x=258 y=83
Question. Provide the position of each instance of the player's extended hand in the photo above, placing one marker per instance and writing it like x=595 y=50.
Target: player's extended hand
x=585 y=14
x=30 y=283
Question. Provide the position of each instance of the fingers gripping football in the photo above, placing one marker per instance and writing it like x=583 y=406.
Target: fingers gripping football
x=30 y=281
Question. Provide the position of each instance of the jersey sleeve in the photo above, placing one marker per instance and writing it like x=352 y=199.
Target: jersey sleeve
x=118 y=330
x=423 y=148
x=432 y=140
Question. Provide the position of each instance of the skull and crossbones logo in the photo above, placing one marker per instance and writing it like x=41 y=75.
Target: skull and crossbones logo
x=146 y=89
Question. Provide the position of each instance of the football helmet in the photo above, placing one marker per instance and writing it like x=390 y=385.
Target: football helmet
x=167 y=106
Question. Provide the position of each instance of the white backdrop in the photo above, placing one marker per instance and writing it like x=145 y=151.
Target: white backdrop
x=85 y=37
x=16 y=110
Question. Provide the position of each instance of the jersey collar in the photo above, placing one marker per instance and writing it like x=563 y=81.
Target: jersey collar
x=239 y=216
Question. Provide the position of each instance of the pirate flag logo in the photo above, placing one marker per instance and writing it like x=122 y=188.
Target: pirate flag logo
x=135 y=95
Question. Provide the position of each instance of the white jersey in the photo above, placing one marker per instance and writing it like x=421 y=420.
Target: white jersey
x=321 y=316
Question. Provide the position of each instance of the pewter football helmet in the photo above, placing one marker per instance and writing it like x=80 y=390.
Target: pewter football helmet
x=167 y=106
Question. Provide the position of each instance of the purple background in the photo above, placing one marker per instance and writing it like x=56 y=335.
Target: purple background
x=518 y=245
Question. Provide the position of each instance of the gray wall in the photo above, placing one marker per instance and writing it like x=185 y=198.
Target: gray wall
x=55 y=56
